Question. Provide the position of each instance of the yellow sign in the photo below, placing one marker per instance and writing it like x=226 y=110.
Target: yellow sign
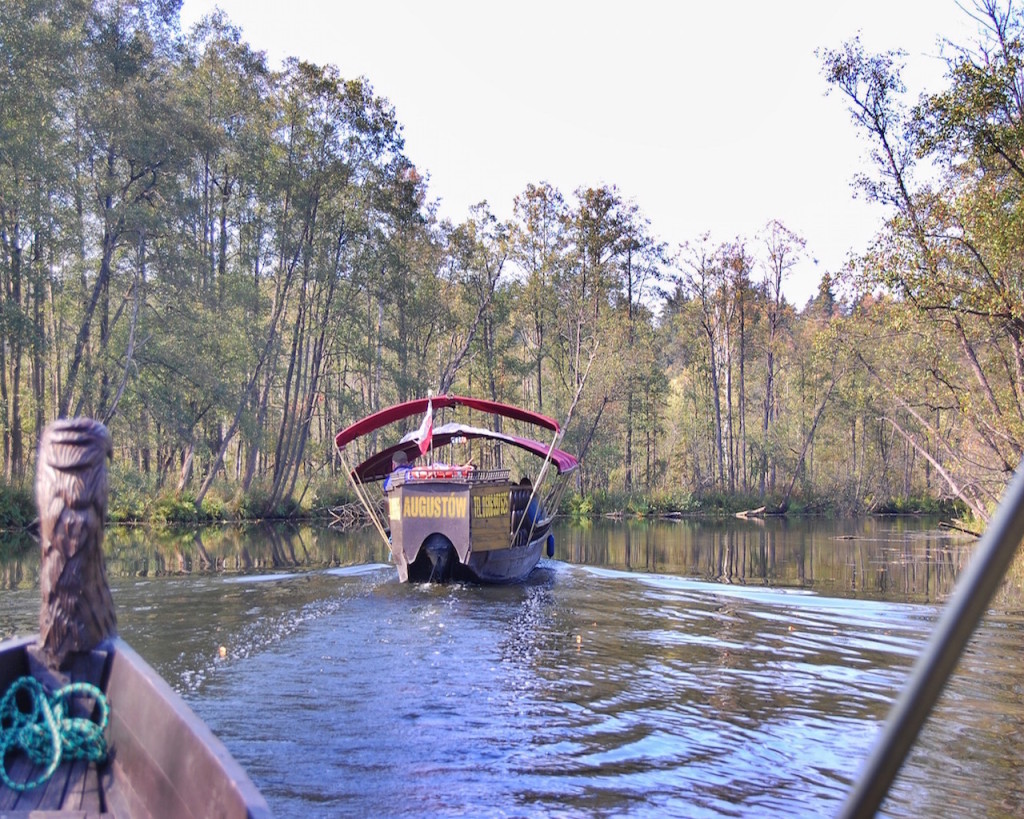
x=428 y=506
x=490 y=506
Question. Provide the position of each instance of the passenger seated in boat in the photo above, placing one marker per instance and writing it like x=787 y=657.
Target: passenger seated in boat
x=400 y=463
x=533 y=510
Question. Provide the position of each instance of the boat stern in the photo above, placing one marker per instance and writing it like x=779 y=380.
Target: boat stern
x=434 y=511
x=442 y=523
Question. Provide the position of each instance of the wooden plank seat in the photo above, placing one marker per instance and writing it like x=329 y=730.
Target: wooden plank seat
x=73 y=789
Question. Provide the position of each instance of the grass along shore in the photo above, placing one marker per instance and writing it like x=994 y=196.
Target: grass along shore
x=132 y=500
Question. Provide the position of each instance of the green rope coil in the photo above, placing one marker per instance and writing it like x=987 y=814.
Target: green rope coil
x=46 y=732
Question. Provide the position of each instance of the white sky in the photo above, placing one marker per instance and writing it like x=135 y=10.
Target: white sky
x=711 y=117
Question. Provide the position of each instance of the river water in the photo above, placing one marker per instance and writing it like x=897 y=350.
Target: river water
x=670 y=668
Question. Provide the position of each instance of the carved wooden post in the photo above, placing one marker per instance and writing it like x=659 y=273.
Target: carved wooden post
x=77 y=611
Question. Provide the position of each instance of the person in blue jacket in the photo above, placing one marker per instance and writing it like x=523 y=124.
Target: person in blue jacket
x=533 y=510
x=400 y=463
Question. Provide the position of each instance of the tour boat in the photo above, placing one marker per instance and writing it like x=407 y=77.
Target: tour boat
x=467 y=522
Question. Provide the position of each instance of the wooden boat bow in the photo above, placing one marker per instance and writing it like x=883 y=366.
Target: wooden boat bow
x=161 y=759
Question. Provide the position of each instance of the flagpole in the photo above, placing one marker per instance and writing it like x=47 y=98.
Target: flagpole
x=425 y=434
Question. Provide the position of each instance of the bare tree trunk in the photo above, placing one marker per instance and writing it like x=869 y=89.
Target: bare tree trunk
x=10 y=392
x=807 y=442
x=743 y=396
x=252 y=457
x=248 y=390
x=972 y=501
x=728 y=411
x=766 y=411
x=84 y=331
x=186 y=465
x=137 y=295
x=717 y=403
x=628 y=460
x=487 y=294
x=8 y=466
x=38 y=356
x=976 y=502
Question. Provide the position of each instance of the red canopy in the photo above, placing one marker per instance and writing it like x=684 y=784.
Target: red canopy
x=417 y=406
x=378 y=466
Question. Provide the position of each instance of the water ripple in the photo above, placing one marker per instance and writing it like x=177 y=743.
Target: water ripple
x=582 y=693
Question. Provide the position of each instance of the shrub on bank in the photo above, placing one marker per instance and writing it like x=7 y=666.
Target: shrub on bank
x=578 y=507
x=621 y=504
x=920 y=505
x=642 y=505
x=129 y=495
x=171 y=507
x=17 y=507
x=329 y=493
x=134 y=498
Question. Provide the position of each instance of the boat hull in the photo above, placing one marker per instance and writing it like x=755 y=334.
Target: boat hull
x=511 y=565
x=162 y=759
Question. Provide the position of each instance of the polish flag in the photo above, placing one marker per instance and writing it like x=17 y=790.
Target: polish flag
x=426 y=430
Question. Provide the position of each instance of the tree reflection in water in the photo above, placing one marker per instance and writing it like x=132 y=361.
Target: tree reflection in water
x=908 y=559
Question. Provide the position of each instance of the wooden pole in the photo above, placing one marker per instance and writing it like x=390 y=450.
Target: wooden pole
x=77 y=612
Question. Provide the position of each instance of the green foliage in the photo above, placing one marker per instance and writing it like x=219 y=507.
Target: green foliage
x=638 y=505
x=325 y=493
x=672 y=502
x=134 y=499
x=170 y=507
x=295 y=276
x=214 y=507
x=949 y=259
x=724 y=503
x=259 y=504
x=919 y=505
x=17 y=507
x=129 y=495
x=581 y=507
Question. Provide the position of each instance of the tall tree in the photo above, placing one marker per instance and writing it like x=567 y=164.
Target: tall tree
x=640 y=263
x=39 y=42
x=953 y=246
x=783 y=249
x=477 y=252
x=702 y=278
x=131 y=141
x=538 y=247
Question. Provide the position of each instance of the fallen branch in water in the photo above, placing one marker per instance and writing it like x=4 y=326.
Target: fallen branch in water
x=353 y=515
x=958 y=527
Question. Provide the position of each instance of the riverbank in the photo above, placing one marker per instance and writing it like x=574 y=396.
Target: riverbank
x=132 y=501
x=660 y=504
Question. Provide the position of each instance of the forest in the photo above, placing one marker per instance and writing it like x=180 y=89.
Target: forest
x=227 y=261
